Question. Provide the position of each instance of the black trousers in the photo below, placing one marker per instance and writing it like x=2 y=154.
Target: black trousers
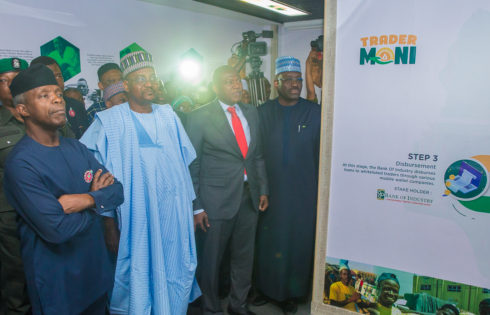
x=239 y=232
x=13 y=297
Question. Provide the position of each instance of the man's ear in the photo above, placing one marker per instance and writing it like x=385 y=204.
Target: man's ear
x=126 y=86
x=101 y=87
x=276 y=83
x=22 y=110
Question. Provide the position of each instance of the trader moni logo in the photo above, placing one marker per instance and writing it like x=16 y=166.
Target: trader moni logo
x=388 y=49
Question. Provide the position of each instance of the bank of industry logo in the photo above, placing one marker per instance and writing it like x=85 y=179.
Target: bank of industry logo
x=380 y=194
x=388 y=49
x=466 y=183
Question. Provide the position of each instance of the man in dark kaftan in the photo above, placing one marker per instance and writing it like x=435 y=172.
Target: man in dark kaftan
x=290 y=127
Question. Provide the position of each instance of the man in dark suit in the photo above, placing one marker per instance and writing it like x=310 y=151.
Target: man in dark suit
x=230 y=182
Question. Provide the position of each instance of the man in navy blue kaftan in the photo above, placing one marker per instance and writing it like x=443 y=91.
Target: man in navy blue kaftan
x=290 y=128
x=58 y=189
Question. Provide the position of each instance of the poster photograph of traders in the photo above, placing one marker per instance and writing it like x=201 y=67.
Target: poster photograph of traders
x=375 y=290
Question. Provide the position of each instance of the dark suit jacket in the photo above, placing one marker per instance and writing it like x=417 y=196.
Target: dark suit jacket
x=217 y=172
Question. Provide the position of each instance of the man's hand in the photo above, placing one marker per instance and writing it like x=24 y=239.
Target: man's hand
x=356 y=296
x=76 y=202
x=263 y=202
x=111 y=234
x=373 y=311
x=201 y=220
x=103 y=181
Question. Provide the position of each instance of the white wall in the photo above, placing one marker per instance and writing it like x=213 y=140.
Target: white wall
x=105 y=27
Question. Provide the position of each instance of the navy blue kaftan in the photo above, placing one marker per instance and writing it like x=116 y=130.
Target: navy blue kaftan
x=65 y=258
x=286 y=231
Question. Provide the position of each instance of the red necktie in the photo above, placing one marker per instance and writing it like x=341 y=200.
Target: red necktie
x=238 y=130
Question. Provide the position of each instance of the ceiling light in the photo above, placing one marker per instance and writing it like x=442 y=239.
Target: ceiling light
x=277 y=7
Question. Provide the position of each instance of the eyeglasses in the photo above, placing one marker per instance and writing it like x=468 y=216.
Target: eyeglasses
x=232 y=82
x=291 y=80
x=142 y=79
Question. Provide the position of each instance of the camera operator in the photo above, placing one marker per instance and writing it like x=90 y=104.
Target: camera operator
x=314 y=69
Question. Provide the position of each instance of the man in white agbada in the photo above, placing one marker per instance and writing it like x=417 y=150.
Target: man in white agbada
x=145 y=146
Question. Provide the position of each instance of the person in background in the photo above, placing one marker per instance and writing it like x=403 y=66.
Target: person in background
x=161 y=94
x=290 y=131
x=108 y=74
x=342 y=293
x=267 y=89
x=203 y=95
x=75 y=111
x=75 y=94
x=58 y=190
x=9 y=68
x=13 y=289
x=313 y=74
x=82 y=86
x=145 y=145
x=182 y=105
x=115 y=94
x=448 y=309
x=484 y=307
x=245 y=93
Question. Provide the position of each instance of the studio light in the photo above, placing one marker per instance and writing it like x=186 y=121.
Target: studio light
x=190 y=66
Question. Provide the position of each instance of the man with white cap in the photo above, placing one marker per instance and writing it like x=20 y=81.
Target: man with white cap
x=290 y=128
x=342 y=293
x=146 y=147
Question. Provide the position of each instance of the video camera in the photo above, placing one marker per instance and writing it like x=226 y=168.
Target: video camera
x=254 y=48
x=249 y=51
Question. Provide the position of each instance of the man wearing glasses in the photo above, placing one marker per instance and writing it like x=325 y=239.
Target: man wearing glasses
x=146 y=147
x=290 y=128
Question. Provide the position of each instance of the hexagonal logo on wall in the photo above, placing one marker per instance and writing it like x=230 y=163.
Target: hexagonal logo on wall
x=131 y=48
x=65 y=53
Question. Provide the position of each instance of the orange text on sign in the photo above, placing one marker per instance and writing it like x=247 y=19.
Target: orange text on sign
x=401 y=39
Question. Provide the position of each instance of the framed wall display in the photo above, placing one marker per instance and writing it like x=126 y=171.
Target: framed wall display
x=404 y=204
